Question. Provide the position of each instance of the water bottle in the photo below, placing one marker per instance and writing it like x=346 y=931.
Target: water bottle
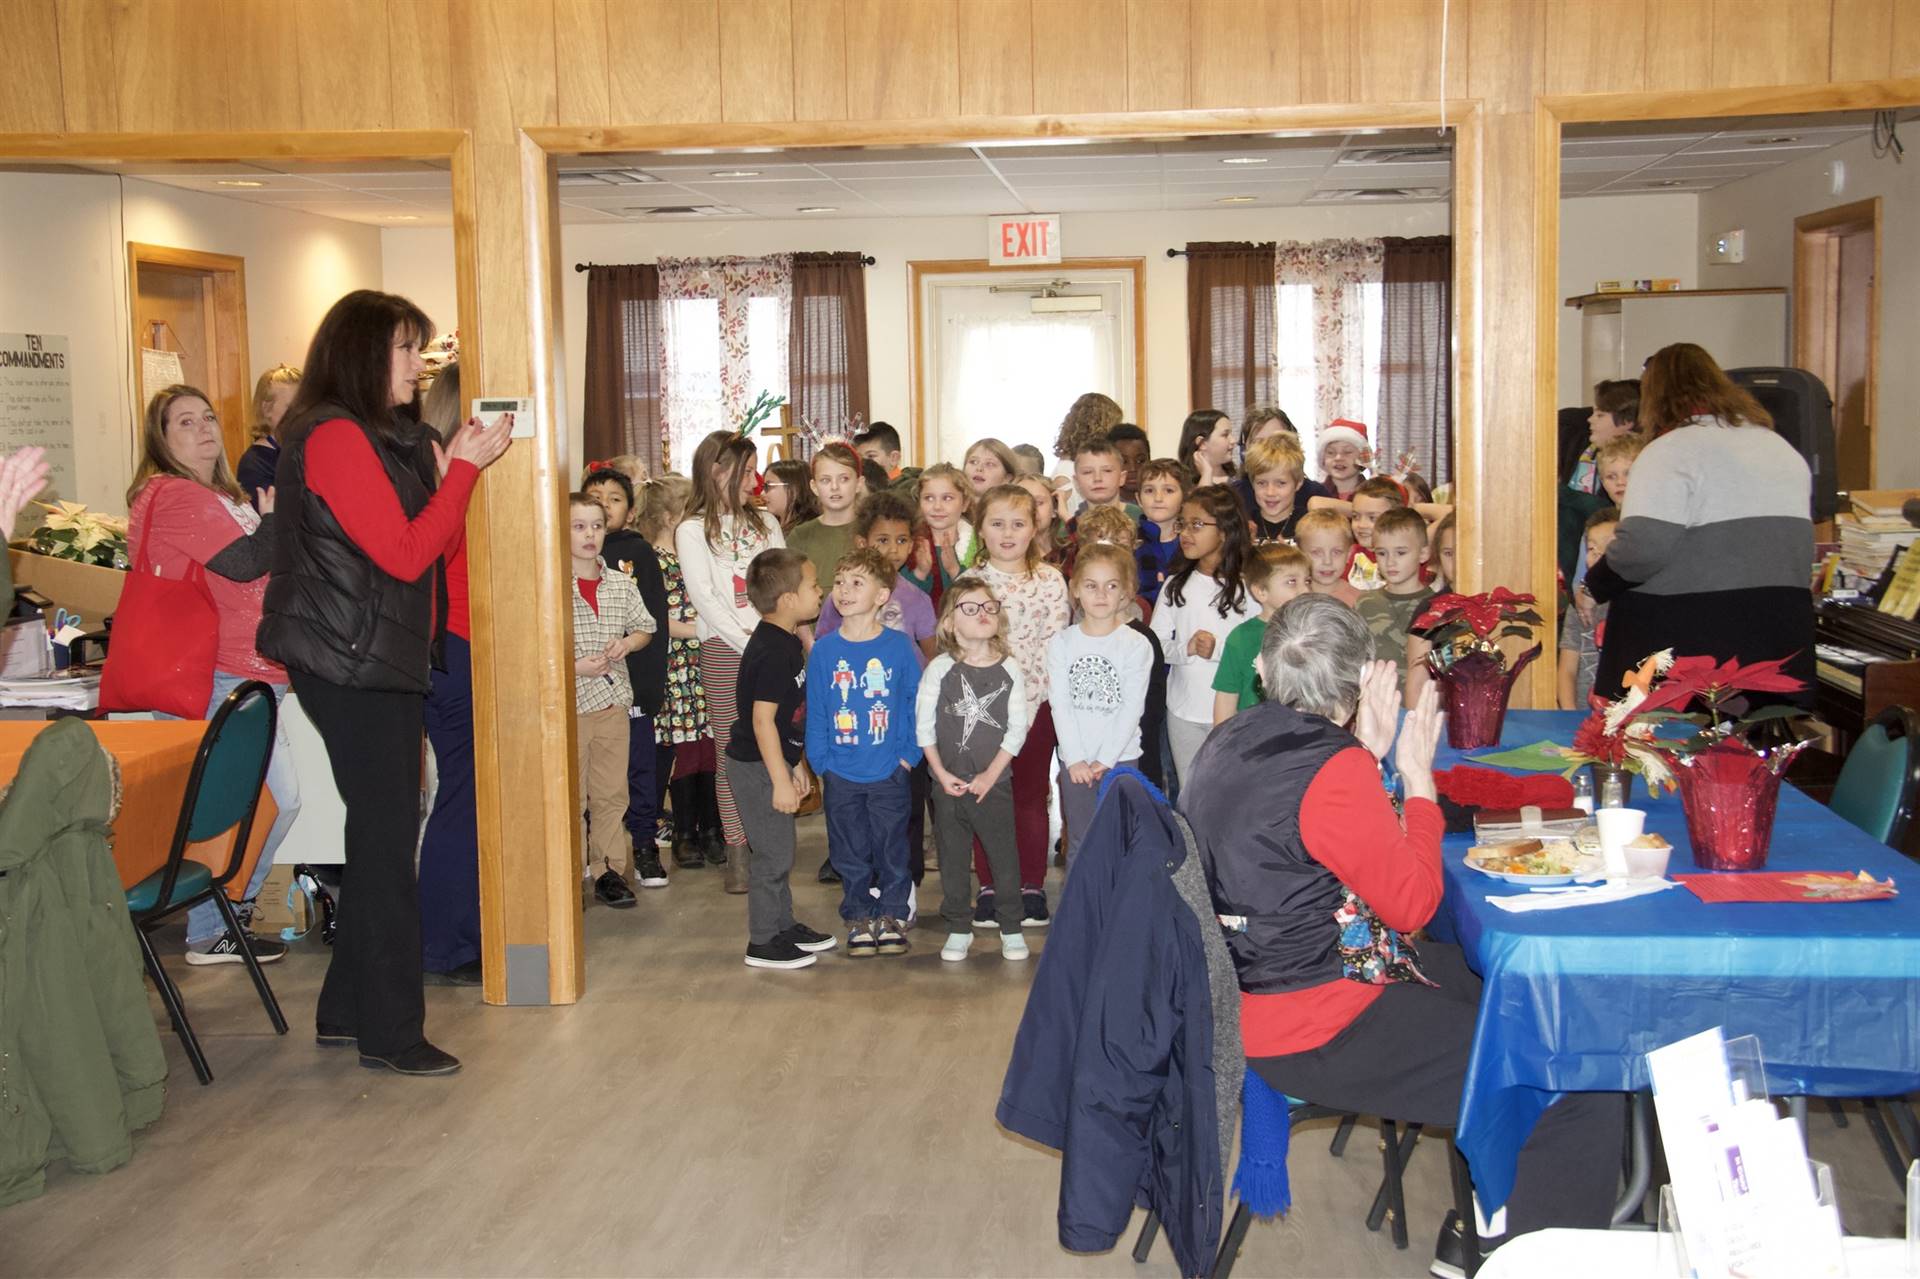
x=1583 y=792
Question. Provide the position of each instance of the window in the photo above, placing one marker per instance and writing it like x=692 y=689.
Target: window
x=701 y=397
x=1327 y=359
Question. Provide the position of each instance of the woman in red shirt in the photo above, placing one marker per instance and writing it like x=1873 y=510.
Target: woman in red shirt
x=357 y=610
x=1322 y=881
x=184 y=509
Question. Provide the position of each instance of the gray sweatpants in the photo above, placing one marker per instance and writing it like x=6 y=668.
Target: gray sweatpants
x=1077 y=803
x=769 y=853
x=957 y=822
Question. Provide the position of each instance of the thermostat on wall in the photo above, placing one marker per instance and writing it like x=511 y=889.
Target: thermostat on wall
x=490 y=409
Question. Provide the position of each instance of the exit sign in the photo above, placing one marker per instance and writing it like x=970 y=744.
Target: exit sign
x=1023 y=239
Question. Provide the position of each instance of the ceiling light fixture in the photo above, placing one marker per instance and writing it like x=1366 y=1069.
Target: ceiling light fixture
x=1667 y=182
x=1235 y=199
x=237 y=182
x=1246 y=159
x=404 y=217
x=1780 y=141
x=734 y=173
x=818 y=208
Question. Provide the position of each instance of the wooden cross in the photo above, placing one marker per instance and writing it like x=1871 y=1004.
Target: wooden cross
x=782 y=439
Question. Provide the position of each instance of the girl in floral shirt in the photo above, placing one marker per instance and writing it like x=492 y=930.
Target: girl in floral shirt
x=1033 y=596
x=686 y=759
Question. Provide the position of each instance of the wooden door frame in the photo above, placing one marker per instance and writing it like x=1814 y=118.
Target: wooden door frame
x=229 y=298
x=1812 y=317
x=919 y=271
x=1552 y=112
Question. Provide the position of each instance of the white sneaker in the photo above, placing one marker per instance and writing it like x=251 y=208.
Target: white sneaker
x=1013 y=947
x=956 y=947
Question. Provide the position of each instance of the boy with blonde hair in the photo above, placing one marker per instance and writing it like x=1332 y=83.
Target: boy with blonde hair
x=1327 y=539
x=1276 y=472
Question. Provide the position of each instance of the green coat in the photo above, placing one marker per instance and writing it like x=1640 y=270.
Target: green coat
x=80 y=1061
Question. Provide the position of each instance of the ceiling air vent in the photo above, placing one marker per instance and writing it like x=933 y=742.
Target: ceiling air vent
x=1396 y=155
x=1353 y=195
x=605 y=178
x=682 y=211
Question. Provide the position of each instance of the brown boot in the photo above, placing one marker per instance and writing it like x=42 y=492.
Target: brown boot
x=736 y=881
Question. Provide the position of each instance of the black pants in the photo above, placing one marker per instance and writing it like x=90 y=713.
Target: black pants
x=1405 y=1058
x=373 y=743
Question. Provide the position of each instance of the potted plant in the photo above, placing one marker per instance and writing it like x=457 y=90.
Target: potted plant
x=1729 y=787
x=72 y=532
x=1467 y=661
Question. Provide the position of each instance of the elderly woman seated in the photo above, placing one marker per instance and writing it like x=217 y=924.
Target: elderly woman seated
x=1301 y=841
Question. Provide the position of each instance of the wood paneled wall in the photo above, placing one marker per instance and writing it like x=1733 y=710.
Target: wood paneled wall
x=493 y=67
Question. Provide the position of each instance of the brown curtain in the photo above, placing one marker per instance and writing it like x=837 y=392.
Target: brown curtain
x=1230 y=337
x=1416 y=354
x=827 y=344
x=625 y=339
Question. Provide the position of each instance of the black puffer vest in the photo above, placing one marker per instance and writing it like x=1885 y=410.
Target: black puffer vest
x=329 y=610
x=1244 y=807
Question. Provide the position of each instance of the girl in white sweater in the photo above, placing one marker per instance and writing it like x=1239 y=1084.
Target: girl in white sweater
x=1205 y=597
x=721 y=534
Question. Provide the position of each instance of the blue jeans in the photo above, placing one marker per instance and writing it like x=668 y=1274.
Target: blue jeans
x=204 y=924
x=643 y=802
x=867 y=842
x=450 y=849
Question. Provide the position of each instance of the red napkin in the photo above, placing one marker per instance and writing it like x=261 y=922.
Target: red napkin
x=1788 y=886
x=1487 y=788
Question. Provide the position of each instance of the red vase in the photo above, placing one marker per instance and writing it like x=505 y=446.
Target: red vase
x=1730 y=792
x=1475 y=690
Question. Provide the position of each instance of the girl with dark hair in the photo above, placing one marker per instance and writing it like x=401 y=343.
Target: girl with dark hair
x=788 y=493
x=356 y=610
x=183 y=510
x=1204 y=598
x=722 y=532
x=1206 y=446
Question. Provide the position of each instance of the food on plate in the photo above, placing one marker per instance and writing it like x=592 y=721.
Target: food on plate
x=1649 y=841
x=1526 y=857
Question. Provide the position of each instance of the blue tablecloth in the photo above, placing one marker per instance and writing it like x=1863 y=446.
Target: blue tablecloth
x=1575 y=998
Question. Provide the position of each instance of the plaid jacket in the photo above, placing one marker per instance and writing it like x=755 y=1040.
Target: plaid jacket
x=621 y=614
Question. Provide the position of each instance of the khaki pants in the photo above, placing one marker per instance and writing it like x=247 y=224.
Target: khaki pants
x=602 y=736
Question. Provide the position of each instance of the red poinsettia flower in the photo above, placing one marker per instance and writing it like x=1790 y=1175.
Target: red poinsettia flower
x=1482 y=614
x=1593 y=740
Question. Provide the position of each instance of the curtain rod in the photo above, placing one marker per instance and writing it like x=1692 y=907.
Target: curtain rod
x=1176 y=253
x=865 y=260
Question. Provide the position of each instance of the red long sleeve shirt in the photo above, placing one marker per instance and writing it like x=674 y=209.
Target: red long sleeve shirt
x=343 y=469
x=1348 y=825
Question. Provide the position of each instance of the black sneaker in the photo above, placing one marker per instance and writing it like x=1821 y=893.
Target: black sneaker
x=778 y=953
x=334 y=1036
x=1033 y=908
x=652 y=873
x=421 y=1059
x=225 y=950
x=828 y=875
x=983 y=918
x=1450 y=1250
x=809 y=939
x=890 y=938
x=663 y=832
x=612 y=889
x=862 y=943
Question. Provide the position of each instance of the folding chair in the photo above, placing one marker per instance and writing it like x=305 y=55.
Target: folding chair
x=223 y=793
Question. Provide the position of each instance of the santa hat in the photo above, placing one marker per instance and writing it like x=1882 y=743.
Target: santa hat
x=1344 y=430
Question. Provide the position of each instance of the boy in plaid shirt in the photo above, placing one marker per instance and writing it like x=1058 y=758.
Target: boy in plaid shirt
x=609 y=622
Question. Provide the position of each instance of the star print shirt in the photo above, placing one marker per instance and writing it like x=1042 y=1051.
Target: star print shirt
x=972 y=713
x=1099 y=688
x=861 y=696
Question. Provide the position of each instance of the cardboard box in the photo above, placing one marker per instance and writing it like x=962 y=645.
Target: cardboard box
x=86 y=589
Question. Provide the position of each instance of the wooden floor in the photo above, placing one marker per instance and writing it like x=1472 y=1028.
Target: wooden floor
x=690 y=1117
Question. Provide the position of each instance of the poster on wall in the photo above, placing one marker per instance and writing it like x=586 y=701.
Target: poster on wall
x=158 y=369
x=36 y=405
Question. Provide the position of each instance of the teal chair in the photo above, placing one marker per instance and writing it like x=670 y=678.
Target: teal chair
x=1876 y=791
x=223 y=793
x=1878 y=783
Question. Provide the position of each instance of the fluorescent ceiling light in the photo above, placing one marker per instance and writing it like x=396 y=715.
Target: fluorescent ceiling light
x=1245 y=159
x=735 y=173
x=818 y=208
x=1235 y=199
x=238 y=182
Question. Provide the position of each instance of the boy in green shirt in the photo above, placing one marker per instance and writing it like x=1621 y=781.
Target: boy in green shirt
x=1399 y=549
x=1276 y=573
x=826 y=538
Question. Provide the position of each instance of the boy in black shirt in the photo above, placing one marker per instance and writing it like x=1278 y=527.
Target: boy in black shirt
x=770 y=738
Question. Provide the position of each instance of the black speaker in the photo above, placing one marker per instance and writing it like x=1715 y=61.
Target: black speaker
x=1802 y=412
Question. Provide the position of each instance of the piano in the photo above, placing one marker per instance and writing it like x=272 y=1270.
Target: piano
x=1865 y=660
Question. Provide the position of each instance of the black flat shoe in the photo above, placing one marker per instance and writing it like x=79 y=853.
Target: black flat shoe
x=716 y=849
x=464 y=975
x=828 y=875
x=421 y=1059
x=613 y=890
x=334 y=1037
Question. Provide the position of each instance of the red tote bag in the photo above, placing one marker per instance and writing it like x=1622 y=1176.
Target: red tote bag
x=165 y=635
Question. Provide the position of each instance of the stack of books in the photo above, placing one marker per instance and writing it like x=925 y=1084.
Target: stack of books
x=1874 y=529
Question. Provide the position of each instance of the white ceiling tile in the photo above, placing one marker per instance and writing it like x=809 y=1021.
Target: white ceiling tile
x=1605 y=163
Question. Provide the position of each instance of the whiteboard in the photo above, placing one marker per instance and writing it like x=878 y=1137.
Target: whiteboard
x=36 y=406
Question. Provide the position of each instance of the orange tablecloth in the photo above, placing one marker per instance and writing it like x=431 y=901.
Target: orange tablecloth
x=155 y=758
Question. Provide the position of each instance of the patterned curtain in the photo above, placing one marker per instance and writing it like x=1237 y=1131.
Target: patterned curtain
x=1336 y=275
x=727 y=322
